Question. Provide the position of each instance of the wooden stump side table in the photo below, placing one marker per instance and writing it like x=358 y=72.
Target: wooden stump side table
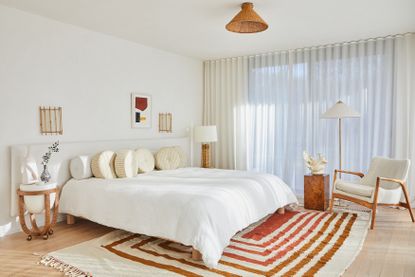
x=50 y=221
x=316 y=192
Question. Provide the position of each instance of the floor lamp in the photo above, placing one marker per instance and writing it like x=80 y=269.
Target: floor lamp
x=340 y=111
x=205 y=135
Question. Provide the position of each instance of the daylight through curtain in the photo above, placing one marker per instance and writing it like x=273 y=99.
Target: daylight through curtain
x=268 y=107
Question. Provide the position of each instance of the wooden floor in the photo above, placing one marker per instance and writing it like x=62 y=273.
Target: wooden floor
x=389 y=250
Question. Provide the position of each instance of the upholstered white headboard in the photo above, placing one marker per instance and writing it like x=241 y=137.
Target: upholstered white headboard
x=59 y=163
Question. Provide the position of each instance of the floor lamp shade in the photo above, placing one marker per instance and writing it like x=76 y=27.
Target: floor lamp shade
x=339 y=111
x=205 y=135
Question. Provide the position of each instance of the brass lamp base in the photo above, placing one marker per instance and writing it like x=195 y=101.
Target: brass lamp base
x=205 y=155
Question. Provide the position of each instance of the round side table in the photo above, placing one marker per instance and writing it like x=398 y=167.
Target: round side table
x=35 y=200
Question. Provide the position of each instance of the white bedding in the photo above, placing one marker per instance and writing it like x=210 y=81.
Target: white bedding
x=203 y=208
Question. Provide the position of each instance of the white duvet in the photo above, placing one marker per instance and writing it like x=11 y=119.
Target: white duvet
x=203 y=208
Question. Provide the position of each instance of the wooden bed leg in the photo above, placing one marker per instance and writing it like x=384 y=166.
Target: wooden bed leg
x=70 y=219
x=281 y=210
x=196 y=255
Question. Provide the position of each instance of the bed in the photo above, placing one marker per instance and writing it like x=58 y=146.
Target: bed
x=202 y=208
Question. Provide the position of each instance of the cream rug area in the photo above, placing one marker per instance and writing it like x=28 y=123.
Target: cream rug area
x=298 y=243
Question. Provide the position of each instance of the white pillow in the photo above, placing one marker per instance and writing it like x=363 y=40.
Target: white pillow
x=145 y=160
x=102 y=165
x=80 y=167
x=168 y=158
x=125 y=164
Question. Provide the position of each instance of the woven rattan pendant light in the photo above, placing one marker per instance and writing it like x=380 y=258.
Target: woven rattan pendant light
x=247 y=21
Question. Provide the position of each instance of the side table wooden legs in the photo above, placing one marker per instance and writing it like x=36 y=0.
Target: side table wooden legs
x=50 y=220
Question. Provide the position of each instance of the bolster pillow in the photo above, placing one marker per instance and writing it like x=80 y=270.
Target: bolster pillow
x=125 y=164
x=80 y=167
x=168 y=158
x=145 y=160
x=102 y=165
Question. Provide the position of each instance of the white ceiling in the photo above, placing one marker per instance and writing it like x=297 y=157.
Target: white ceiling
x=197 y=27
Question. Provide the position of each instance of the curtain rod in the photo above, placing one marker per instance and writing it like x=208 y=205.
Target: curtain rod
x=314 y=47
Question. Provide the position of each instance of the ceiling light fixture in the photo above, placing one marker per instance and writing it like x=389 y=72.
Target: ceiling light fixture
x=247 y=21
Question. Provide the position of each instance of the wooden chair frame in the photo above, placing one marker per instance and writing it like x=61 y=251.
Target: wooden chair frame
x=367 y=204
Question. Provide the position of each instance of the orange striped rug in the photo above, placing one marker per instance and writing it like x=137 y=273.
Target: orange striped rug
x=297 y=243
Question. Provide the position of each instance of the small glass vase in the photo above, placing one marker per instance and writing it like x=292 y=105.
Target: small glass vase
x=45 y=176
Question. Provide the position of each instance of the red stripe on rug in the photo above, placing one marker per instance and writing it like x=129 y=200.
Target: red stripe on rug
x=274 y=221
x=273 y=239
x=337 y=245
x=309 y=244
x=285 y=241
x=280 y=254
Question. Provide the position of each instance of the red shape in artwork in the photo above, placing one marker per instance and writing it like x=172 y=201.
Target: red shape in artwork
x=141 y=103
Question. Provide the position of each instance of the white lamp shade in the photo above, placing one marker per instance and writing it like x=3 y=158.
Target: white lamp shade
x=205 y=133
x=340 y=110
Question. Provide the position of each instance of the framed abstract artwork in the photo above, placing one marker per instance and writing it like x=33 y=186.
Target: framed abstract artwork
x=140 y=111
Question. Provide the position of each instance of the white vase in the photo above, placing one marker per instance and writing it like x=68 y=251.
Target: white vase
x=36 y=203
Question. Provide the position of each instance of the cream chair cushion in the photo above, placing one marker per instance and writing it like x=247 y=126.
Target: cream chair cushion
x=145 y=160
x=366 y=193
x=363 y=189
x=168 y=158
x=385 y=167
x=126 y=164
x=102 y=165
x=353 y=188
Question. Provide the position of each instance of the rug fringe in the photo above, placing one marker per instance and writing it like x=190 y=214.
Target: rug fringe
x=67 y=269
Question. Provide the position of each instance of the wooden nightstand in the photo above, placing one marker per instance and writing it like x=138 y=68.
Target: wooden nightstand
x=316 y=192
x=36 y=200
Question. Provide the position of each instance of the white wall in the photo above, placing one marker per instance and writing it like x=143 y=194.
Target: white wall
x=91 y=75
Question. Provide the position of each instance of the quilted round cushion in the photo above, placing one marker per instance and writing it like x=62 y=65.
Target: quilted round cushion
x=102 y=165
x=168 y=158
x=125 y=164
x=80 y=167
x=145 y=160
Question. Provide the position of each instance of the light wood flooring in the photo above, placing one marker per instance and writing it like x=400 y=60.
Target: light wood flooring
x=389 y=250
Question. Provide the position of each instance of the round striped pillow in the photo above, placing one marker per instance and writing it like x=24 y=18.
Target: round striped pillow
x=168 y=158
x=145 y=160
x=126 y=164
x=102 y=165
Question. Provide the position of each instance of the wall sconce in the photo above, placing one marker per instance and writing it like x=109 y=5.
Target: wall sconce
x=165 y=122
x=51 y=120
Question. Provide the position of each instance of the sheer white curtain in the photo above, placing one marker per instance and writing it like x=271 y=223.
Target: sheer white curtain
x=225 y=105
x=403 y=145
x=282 y=96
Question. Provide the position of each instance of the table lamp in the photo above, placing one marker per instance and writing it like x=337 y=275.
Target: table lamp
x=205 y=135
